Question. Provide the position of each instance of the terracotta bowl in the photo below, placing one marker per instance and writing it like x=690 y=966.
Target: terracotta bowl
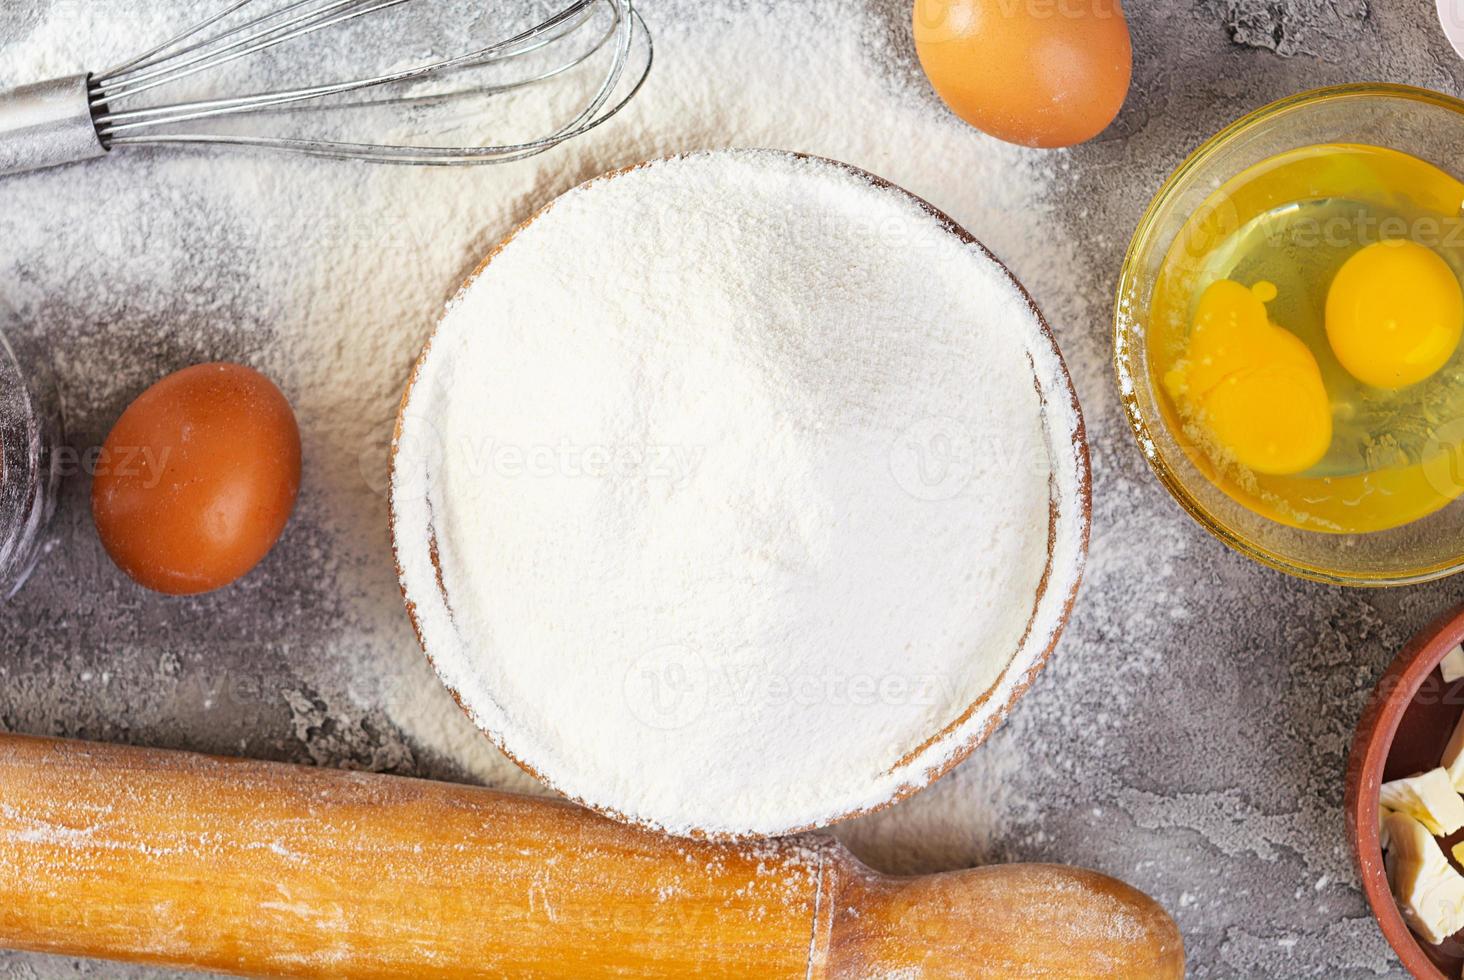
x=1403 y=731
x=1055 y=593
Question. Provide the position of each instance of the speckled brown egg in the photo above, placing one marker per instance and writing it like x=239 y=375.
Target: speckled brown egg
x=197 y=479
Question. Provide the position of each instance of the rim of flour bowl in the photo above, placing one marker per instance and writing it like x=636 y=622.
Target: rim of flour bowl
x=954 y=743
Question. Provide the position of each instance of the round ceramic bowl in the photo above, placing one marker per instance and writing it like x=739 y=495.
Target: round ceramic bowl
x=1415 y=121
x=1069 y=514
x=1403 y=731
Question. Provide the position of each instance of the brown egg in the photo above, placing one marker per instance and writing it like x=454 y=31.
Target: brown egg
x=197 y=479
x=1036 y=72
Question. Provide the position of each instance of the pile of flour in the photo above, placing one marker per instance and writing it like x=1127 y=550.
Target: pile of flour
x=330 y=276
x=726 y=487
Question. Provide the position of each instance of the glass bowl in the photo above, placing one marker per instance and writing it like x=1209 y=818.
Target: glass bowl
x=30 y=432
x=1426 y=125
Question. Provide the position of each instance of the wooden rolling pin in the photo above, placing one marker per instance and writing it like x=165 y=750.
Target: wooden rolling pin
x=261 y=869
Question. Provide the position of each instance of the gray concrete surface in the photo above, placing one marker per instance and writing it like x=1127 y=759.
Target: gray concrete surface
x=1189 y=736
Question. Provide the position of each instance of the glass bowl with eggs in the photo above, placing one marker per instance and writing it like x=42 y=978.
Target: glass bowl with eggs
x=1287 y=335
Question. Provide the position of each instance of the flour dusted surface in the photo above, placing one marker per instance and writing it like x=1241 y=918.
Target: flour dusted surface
x=280 y=263
x=329 y=277
x=704 y=562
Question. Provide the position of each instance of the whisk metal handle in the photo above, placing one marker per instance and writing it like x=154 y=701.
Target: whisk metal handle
x=47 y=124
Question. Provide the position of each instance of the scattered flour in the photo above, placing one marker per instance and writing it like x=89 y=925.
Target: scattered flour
x=845 y=83
x=329 y=277
x=1186 y=672
x=726 y=487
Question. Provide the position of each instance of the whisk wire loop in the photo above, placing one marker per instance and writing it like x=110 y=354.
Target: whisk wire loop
x=213 y=43
x=526 y=43
x=204 y=60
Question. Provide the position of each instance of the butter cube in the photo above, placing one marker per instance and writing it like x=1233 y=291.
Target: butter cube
x=1430 y=798
x=1453 y=760
x=1452 y=666
x=1430 y=893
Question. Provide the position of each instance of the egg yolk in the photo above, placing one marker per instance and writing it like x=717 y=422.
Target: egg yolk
x=1255 y=387
x=1394 y=313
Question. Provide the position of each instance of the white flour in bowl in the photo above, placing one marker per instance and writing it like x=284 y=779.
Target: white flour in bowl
x=676 y=506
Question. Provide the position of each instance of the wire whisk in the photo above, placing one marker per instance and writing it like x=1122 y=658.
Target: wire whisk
x=83 y=116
